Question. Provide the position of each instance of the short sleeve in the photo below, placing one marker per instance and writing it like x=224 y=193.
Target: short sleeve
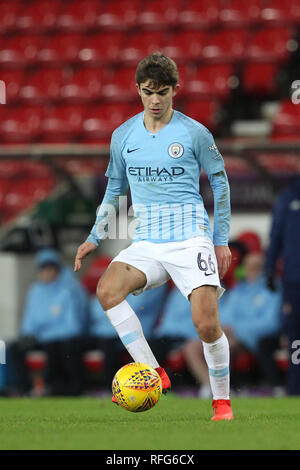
x=207 y=152
x=116 y=167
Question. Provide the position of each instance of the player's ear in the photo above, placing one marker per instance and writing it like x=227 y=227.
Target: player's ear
x=176 y=89
x=138 y=88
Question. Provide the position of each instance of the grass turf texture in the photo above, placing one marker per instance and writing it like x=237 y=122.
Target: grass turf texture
x=175 y=423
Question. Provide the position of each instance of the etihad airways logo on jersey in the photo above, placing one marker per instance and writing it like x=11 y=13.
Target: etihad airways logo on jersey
x=147 y=173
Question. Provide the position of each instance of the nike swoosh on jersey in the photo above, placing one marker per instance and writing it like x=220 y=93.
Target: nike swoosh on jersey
x=131 y=150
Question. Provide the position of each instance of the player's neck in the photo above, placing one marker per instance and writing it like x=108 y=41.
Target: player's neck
x=153 y=124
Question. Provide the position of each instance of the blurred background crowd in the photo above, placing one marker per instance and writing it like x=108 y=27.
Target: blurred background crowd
x=66 y=82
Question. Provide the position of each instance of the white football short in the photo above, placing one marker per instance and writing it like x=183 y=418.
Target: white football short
x=189 y=263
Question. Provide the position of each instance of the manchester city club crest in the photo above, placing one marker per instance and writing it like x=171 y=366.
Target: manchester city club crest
x=175 y=150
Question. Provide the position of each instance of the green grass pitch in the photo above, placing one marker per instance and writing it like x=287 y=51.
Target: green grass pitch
x=175 y=423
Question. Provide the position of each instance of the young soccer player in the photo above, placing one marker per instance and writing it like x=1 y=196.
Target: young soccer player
x=159 y=154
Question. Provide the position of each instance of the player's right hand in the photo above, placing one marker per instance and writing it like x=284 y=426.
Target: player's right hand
x=83 y=250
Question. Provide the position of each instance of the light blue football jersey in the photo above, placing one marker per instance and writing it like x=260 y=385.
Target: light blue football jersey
x=163 y=171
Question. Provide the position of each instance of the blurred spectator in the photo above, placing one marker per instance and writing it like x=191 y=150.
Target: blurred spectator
x=103 y=337
x=284 y=244
x=53 y=321
x=251 y=241
x=251 y=318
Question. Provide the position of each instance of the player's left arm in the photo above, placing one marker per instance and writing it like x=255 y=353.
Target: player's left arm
x=222 y=213
x=212 y=163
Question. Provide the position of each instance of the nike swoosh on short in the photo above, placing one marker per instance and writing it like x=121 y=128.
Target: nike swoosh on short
x=131 y=150
x=210 y=274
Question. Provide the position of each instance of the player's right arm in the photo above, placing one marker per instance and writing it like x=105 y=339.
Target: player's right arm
x=117 y=186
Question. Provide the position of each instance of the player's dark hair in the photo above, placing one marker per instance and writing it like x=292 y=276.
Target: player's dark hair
x=159 y=69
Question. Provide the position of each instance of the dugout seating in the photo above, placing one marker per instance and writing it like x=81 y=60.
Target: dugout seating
x=22 y=184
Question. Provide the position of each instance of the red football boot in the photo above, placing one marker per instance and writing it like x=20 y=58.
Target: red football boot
x=165 y=381
x=222 y=410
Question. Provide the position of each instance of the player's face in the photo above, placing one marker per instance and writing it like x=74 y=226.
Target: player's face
x=157 y=101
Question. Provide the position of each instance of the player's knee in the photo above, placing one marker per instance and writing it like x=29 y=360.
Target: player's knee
x=208 y=330
x=107 y=296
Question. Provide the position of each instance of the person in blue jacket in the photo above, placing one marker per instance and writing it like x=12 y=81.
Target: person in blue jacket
x=251 y=317
x=102 y=335
x=53 y=320
x=284 y=244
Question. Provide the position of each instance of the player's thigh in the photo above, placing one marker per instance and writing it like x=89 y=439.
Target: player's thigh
x=120 y=278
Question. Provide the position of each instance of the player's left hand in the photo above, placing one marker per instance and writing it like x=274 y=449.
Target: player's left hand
x=223 y=255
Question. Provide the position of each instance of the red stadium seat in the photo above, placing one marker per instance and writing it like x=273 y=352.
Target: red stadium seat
x=281 y=12
x=140 y=45
x=240 y=13
x=269 y=44
x=42 y=86
x=39 y=15
x=158 y=14
x=212 y=80
x=260 y=78
x=100 y=49
x=118 y=16
x=101 y=120
x=78 y=15
x=186 y=46
x=204 y=111
x=226 y=46
x=63 y=123
x=184 y=77
x=20 y=50
x=121 y=86
x=60 y=49
x=287 y=119
x=195 y=14
x=13 y=80
x=9 y=12
x=85 y=85
x=21 y=124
